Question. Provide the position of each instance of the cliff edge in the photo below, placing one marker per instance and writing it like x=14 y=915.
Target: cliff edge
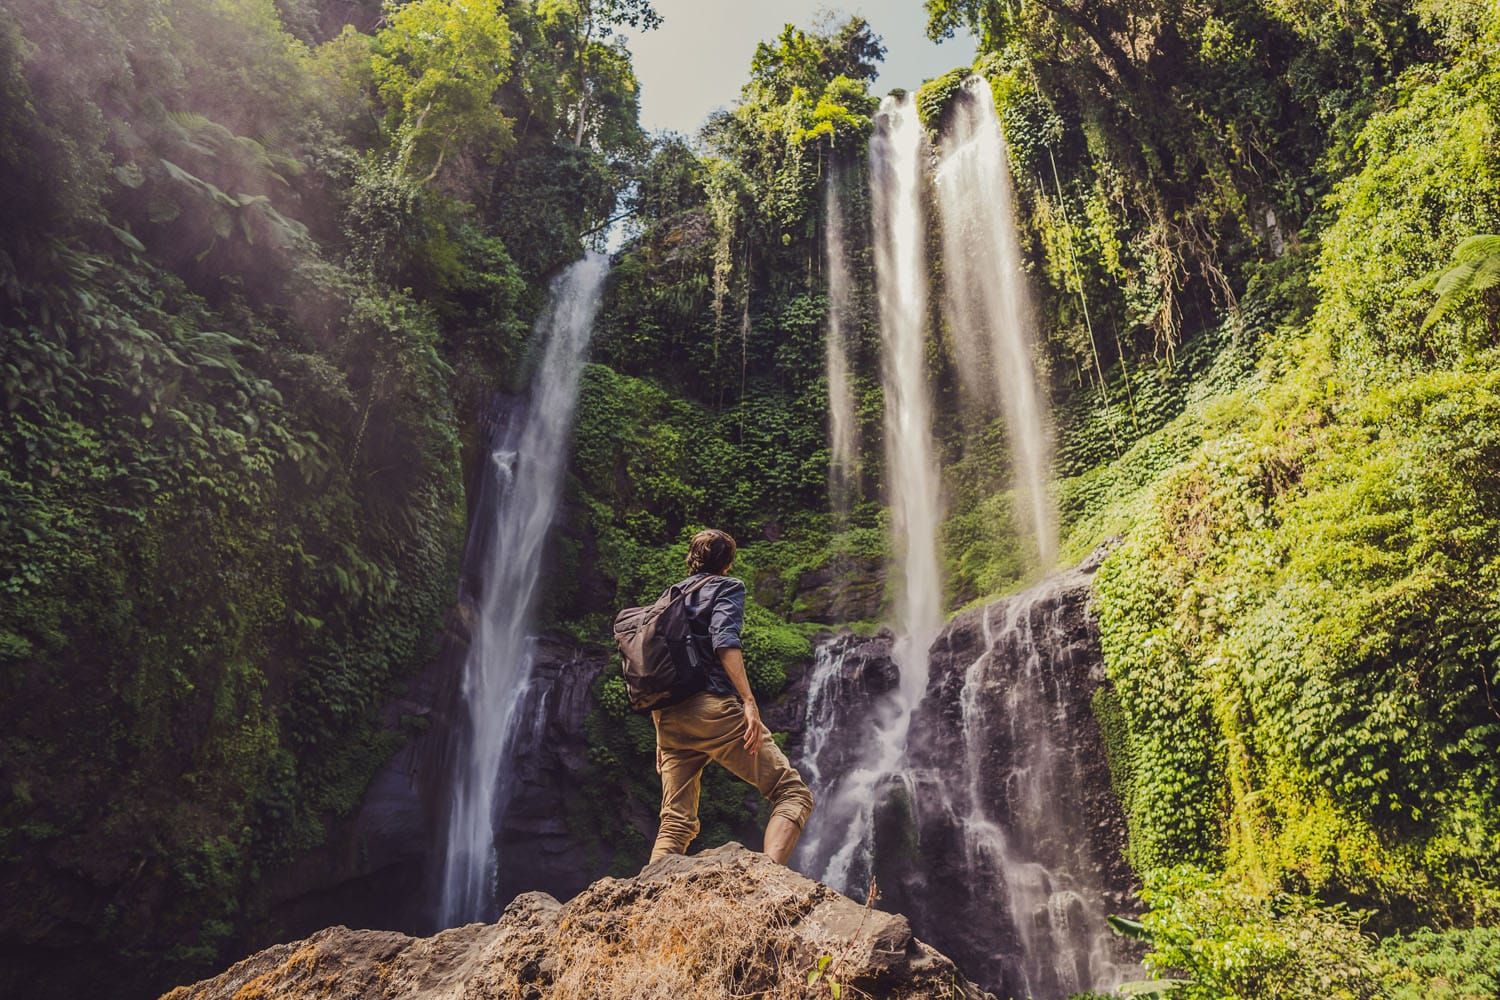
x=725 y=923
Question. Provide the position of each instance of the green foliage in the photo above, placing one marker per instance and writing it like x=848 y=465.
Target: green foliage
x=595 y=78
x=934 y=97
x=1155 y=172
x=716 y=310
x=1297 y=621
x=1232 y=945
x=242 y=323
x=804 y=60
x=437 y=65
x=246 y=650
x=771 y=648
x=1443 y=965
x=1428 y=181
x=1288 y=572
x=983 y=555
x=1475 y=268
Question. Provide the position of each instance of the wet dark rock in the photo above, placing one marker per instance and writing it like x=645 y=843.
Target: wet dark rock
x=1034 y=848
x=376 y=867
x=1001 y=837
x=867 y=675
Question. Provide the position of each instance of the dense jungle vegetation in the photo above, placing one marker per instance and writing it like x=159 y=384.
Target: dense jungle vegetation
x=263 y=266
x=266 y=265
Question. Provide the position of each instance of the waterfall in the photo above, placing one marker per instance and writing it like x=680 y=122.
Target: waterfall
x=837 y=841
x=898 y=193
x=999 y=834
x=843 y=473
x=962 y=766
x=988 y=302
x=519 y=498
x=1020 y=798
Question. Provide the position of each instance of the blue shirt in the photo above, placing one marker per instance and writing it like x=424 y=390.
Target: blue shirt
x=716 y=614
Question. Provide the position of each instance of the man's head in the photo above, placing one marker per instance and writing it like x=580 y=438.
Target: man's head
x=710 y=551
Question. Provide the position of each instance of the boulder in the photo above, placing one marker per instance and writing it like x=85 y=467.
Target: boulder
x=725 y=923
x=845 y=588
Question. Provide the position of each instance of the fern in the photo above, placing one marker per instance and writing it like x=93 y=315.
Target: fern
x=1475 y=268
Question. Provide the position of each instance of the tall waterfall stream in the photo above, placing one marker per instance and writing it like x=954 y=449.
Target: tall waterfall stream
x=837 y=840
x=988 y=303
x=518 y=499
x=977 y=763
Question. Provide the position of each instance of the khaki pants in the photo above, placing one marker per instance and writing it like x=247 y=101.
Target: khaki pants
x=711 y=727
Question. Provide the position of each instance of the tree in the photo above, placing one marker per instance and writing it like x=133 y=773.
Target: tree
x=437 y=66
x=986 y=18
x=594 y=23
x=810 y=59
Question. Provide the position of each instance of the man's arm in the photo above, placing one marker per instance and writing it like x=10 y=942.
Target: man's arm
x=733 y=661
x=726 y=618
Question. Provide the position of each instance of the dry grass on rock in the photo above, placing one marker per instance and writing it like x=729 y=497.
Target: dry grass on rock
x=727 y=924
x=719 y=934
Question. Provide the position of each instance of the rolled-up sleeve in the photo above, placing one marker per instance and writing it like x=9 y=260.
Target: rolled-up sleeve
x=727 y=614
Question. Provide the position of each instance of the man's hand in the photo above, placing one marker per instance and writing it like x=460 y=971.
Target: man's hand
x=753 y=729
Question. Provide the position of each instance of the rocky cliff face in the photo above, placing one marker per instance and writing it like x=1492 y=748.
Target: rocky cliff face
x=725 y=923
x=1000 y=836
x=1008 y=804
x=374 y=870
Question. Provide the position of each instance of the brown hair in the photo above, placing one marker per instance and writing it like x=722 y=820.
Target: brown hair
x=710 y=551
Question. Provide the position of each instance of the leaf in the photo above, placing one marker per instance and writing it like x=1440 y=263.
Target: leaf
x=128 y=238
x=1128 y=928
x=161 y=209
x=1475 y=268
x=1149 y=987
x=130 y=175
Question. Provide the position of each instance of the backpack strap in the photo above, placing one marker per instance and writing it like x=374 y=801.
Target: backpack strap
x=696 y=586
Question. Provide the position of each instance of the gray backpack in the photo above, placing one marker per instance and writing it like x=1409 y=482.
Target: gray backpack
x=657 y=649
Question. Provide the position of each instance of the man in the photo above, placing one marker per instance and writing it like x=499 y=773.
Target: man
x=722 y=722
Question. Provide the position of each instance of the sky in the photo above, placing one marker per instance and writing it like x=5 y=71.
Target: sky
x=700 y=56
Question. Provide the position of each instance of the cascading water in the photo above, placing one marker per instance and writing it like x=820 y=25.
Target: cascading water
x=836 y=843
x=843 y=473
x=999 y=835
x=1029 y=827
x=962 y=767
x=988 y=301
x=897 y=190
x=524 y=475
